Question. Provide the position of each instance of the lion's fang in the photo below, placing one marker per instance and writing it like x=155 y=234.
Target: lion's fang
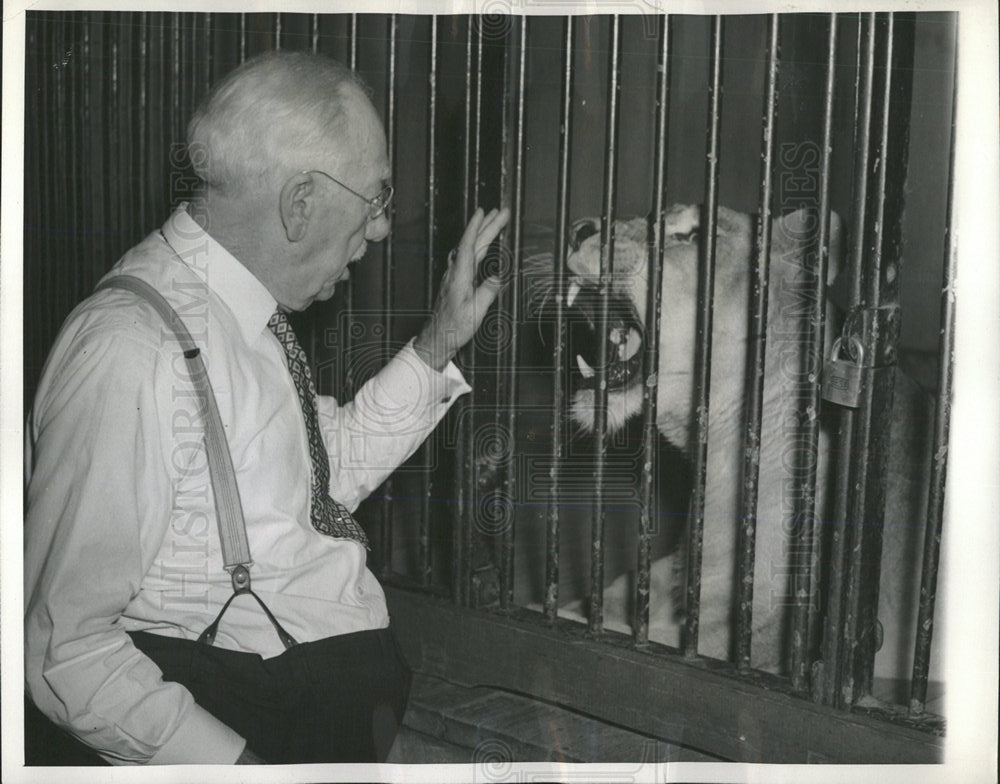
x=585 y=370
x=574 y=289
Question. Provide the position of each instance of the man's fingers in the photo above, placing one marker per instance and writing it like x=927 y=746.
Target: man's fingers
x=493 y=224
x=472 y=230
x=465 y=253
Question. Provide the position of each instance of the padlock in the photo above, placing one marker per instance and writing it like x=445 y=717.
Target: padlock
x=842 y=378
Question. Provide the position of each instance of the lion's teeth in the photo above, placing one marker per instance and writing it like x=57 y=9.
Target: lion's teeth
x=574 y=289
x=585 y=370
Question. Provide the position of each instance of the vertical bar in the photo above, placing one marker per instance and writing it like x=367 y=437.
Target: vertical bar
x=34 y=150
x=143 y=60
x=657 y=235
x=607 y=270
x=465 y=465
x=209 y=44
x=428 y=447
x=121 y=148
x=86 y=271
x=703 y=342
x=855 y=519
x=156 y=118
x=118 y=118
x=558 y=364
x=175 y=98
x=314 y=33
x=130 y=117
x=942 y=422
x=243 y=38
x=62 y=156
x=352 y=60
x=469 y=463
x=515 y=235
x=467 y=138
x=277 y=30
x=805 y=566
x=477 y=148
x=879 y=329
x=388 y=262
x=756 y=348
x=352 y=41
x=835 y=628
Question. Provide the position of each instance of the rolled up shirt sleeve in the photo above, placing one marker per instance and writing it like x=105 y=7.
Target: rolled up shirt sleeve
x=391 y=415
x=99 y=501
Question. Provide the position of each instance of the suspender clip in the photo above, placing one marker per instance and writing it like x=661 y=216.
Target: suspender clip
x=241 y=579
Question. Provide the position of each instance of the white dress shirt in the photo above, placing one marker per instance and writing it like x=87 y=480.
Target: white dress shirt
x=121 y=532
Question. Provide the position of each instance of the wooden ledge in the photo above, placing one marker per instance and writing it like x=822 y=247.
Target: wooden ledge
x=699 y=705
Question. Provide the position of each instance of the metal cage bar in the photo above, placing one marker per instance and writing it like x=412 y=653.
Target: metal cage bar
x=424 y=555
x=81 y=116
x=756 y=347
x=834 y=627
x=703 y=342
x=142 y=108
x=346 y=338
x=806 y=553
x=596 y=621
x=551 y=603
x=388 y=268
x=466 y=465
x=939 y=450
x=514 y=234
x=651 y=361
x=877 y=326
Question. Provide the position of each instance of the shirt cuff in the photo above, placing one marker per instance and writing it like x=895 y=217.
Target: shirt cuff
x=200 y=739
x=419 y=385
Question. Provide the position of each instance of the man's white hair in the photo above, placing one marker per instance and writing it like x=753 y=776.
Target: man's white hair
x=276 y=112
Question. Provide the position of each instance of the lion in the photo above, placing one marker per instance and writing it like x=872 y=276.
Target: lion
x=791 y=282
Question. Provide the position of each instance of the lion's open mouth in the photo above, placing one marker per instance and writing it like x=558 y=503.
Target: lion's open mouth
x=625 y=337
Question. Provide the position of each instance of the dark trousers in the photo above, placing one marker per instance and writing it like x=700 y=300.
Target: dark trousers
x=335 y=700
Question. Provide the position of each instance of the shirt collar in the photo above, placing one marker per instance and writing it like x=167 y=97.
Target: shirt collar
x=248 y=299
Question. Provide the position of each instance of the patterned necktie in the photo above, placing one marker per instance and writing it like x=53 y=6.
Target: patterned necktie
x=328 y=516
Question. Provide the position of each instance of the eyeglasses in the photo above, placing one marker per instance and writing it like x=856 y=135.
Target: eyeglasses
x=376 y=206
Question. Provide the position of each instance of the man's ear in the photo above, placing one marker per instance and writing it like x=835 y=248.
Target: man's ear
x=296 y=205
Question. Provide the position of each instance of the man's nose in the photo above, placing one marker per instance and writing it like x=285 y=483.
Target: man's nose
x=378 y=228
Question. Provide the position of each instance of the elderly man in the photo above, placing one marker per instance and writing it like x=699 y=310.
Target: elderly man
x=123 y=561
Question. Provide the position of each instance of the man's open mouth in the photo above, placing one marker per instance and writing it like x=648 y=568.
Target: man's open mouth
x=624 y=340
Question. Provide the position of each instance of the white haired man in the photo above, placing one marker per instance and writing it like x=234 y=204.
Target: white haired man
x=123 y=562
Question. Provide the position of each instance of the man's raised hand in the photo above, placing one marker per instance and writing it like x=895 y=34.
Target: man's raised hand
x=461 y=305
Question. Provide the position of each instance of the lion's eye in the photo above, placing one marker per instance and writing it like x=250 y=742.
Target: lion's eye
x=691 y=236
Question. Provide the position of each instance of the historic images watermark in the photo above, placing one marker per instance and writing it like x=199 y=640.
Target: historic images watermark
x=186 y=569
x=799 y=187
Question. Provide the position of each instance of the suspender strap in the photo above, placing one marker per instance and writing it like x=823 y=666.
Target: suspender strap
x=229 y=511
